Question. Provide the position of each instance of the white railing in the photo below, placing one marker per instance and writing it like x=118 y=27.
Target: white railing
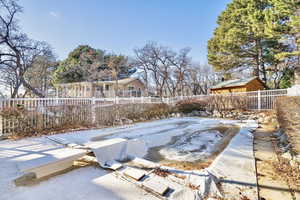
x=258 y=100
x=56 y=112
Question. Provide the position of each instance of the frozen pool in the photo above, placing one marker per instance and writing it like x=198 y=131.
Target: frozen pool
x=172 y=140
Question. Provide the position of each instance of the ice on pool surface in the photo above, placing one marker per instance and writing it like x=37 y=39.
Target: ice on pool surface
x=192 y=147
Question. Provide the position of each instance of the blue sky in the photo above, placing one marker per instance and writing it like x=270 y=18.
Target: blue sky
x=122 y=25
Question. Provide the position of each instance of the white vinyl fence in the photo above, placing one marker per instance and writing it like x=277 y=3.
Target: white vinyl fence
x=54 y=113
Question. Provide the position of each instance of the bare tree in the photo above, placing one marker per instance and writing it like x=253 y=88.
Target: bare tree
x=39 y=75
x=182 y=63
x=163 y=68
x=17 y=51
x=115 y=64
x=200 y=78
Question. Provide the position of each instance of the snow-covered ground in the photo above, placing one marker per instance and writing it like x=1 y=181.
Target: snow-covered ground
x=95 y=183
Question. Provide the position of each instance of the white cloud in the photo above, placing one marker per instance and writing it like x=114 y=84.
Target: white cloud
x=54 y=14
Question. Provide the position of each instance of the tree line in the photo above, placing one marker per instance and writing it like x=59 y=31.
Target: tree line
x=164 y=71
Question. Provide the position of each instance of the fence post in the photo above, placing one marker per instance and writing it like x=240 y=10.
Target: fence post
x=1 y=120
x=93 y=101
x=259 y=100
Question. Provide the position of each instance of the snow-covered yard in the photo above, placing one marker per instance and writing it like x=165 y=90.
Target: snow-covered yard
x=176 y=139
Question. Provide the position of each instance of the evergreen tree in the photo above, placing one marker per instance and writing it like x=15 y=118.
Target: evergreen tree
x=249 y=35
x=87 y=64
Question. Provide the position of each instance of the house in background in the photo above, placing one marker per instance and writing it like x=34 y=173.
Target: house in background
x=238 y=85
x=127 y=87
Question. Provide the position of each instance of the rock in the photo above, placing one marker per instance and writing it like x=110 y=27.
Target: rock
x=203 y=114
x=127 y=121
x=216 y=114
x=287 y=155
x=122 y=121
x=208 y=113
x=293 y=163
x=195 y=113
x=284 y=147
x=297 y=158
x=283 y=138
x=278 y=133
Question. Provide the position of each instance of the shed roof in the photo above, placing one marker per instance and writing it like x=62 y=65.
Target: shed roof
x=234 y=83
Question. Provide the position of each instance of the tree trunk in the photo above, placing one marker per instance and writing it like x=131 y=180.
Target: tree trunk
x=34 y=90
x=297 y=75
x=297 y=69
x=15 y=90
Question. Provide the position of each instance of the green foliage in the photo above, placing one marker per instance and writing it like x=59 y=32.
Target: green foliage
x=88 y=64
x=249 y=35
x=81 y=63
x=287 y=79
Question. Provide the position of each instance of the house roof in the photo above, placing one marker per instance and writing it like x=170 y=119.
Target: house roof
x=234 y=83
x=120 y=82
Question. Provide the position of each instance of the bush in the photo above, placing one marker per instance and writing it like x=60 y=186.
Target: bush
x=288 y=116
x=20 y=122
x=190 y=105
x=152 y=111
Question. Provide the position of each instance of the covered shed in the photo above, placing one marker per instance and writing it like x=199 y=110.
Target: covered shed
x=238 y=85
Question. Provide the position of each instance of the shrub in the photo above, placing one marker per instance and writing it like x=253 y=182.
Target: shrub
x=288 y=116
x=224 y=103
x=21 y=122
x=152 y=111
x=190 y=105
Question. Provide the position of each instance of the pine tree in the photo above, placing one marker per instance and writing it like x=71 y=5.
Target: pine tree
x=248 y=35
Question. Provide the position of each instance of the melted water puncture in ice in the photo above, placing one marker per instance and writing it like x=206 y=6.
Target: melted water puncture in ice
x=192 y=147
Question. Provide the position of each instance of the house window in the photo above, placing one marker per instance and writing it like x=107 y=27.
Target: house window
x=106 y=87
x=130 y=88
x=88 y=89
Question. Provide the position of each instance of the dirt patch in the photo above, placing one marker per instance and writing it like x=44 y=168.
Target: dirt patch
x=271 y=182
x=292 y=174
x=189 y=165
